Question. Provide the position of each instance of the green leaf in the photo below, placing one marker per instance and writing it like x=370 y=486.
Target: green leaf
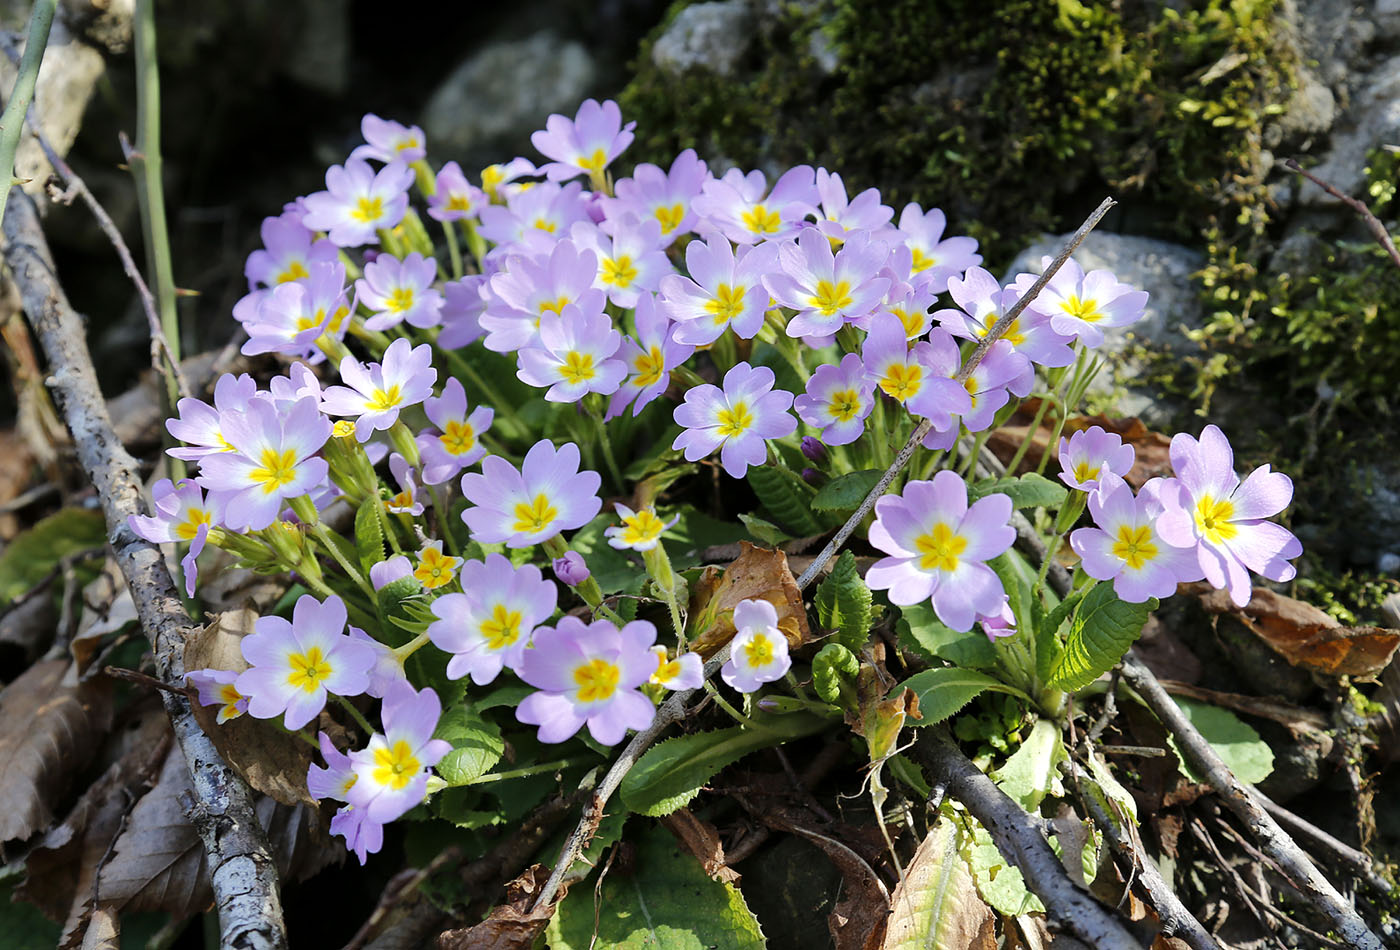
x=786 y=497
x=611 y=568
x=671 y=773
x=369 y=534
x=32 y=554
x=943 y=692
x=843 y=603
x=921 y=631
x=829 y=667
x=764 y=531
x=935 y=906
x=1233 y=739
x=476 y=745
x=846 y=492
x=999 y=882
x=1028 y=491
x=694 y=532
x=666 y=902
x=1101 y=632
x=1032 y=773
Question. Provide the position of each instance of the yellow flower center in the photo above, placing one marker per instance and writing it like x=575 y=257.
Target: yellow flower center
x=435 y=569
x=1213 y=519
x=727 y=303
x=760 y=220
x=402 y=500
x=913 y=321
x=224 y=444
x=278 y=468
x=831 y=298
x=597 y=680
x=643 y=527
x=759 y=650
x=458 y=201
x=1086 y=310
x=1134 y=546
x=578 y=368
x=491 y=178
x=922 y=261
x=190 y=527
x=670 y=217
x=902 y=382
x=555 y=305
x=618 y=271
x=666 y=670
x=1083 y=472
x=940 y=548
x=308 y=670
x=1013 y=333
x=405 y=144
x=502 y=628
x=368 y=209
x=296 y=270
x=396 y=765
x=459 y=439
x=230 y=697
x=546 y=225
x=400 y=300
x=343 y=429
x=534 y=516
x=844 y=405
x=382 y=400
x=649 y=367
x=306 y=323
x=593 y=163
x=338 y=319
x=735 y=420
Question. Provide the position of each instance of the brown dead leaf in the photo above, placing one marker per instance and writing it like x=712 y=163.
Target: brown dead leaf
x=107 y=607
x=510 y=926
x=16 y=471
x=49 y=728
x=937 y=903
x=757 y=574
x=1304 y=635
x=701 y=839
x=272 y=761
x=104 y=932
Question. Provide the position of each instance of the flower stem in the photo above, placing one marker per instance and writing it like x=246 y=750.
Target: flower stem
x=454 y=251
x=411 y=647
x=1025 y=445
x=541 y=768
x=734 y=714
x=461 y=368
x=324 y=536
x=355 y=714
x=12 y=122
x=605 y=442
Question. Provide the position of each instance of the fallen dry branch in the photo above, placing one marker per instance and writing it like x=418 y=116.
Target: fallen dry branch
x=242 y=871
x=1275 y=842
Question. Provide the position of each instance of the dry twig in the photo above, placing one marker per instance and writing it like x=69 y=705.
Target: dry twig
x=1378 y=230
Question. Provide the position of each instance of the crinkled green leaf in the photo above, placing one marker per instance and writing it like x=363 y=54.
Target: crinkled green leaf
x=369 y=534
x=921 y=631
x=32 y=554
x=1032 y=772
x=1233 y=739
x=843 y=603
x=786 y=497
x=1028 y=491
x=476 y=745
x=1102 y=630
x=998 y=881
x=830 y=667
x=944 y=691
x=846 y=492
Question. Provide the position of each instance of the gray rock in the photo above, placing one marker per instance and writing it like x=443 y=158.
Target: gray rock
x=1372 y=120
x=486 y=109
x=1163 y=270
x=1311 y=110
x=711 y=36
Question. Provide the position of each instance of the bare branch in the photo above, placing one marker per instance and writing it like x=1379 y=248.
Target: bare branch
x=241 y=868
x=1378 y=230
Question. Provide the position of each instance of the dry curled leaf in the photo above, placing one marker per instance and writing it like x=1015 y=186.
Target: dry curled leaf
x=104 y=932
x=701 y=839
x=49 y=727
x=756 y=574
x=511 y=925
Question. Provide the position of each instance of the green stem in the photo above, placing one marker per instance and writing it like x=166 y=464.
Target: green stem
x=411 y=647
x=12 y=121
x=390 y=532
x=734 y=714
x=324 y=536
x=454 y=251
x=492 y=397
x=440 y=506
x=1030 y=434
x=539 y=769
x=355 y=714
x=475 y=243
x=605 y=442
x=971 y=461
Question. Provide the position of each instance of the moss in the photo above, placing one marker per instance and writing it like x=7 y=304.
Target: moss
x=1009 y=114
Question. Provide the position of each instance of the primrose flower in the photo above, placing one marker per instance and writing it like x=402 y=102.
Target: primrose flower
x=664 y=197
x=495 y=178
x=384 y=573
x=488 y=627
x=588 y=673
x=400 y=290
x=649 y=359
x=216 y=688
x=571 y=569
x=181 y=514
x=456 y=442
x=918 y=376
x=335 y=778
x=1090 y=453
x=1222 y=518
x=406 y=501
x=999 y=625
x=736 y=420
x=738 y=207
x=586 y=145
x=546 y=209
x=272 y=460
x=840 y=215
x=573 y=356
x=1125 y=546
x=630 y=258
x=388 y=665
x=200 y=425
x=758 y=653
x=910 y=304
x=376 y=393
x=462 y=307
x=358 y=202
x=362 y=836
x=983 y=301
x=547 y=495
x=936 y=258
x=1081 y=305
x=289 y=249
x=722 y=291
x=454 y=198
x=435 y=569
x=828 y=290
x=529 y=288
x=686 y=671
x=937 y=545
x=837 y=400
x=389 y=141
x=391 y=772
x=639 y=531
x=988 y=383
x=291 y=317
x=293 y=666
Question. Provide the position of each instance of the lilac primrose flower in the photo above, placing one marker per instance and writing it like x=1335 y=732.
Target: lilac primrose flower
x=827 y=290
x=358 y=202
x=571 y=569
x=649 y=358
x=908 y=303
x=587 y=144
x=488 y=627
x=462 y=306
x=548 y=495
x=391 y=772
x=375 y=393
x=758 y=653
x=200 y=425
x=544 y=209
x=1223 y=517
x=530 y=287
x=1081 y=305
x=723 y=291
x=919 y=377
x=999 y=625
x=664 y=197
x=737 y=206
x=385 y=573
x=840 y=215
x=938 y=545
x=336 y=781
x=293 y=666
x=1090 y=453
x=573 y=356
x=287 y=253
x=216 y=688
x=181 y=514
x=983 y=301
x=406 y=501
x=454 y=198
x=837 y=400
x=935 y=258
x=272 y=460
x=496 y=179
x=291 y=317
x=736 y=420
x=1125 y=547
x=362 y=836
x=435 y=569
x=456 y=442
x=988 y=383
x=388 y=665
x=639 y=531
x=588 y=673
x=630 y=259
x=400 y=290
x=686 y=671
x=389 y=141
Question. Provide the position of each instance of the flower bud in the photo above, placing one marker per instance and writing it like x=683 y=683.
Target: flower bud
x=813 y=477
x=571 y=568
x=386 y=572
x=812 y=448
